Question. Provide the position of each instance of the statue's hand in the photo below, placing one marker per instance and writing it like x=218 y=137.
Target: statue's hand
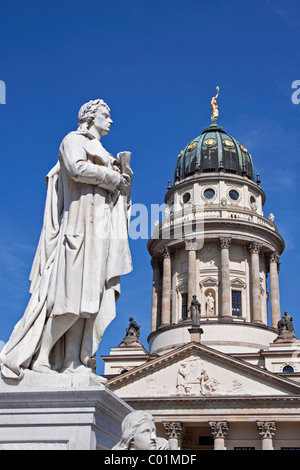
x=125 y=185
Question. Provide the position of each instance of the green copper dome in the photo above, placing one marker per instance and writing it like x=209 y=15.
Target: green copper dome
x=214 y=151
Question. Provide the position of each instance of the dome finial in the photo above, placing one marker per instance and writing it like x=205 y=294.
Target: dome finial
x=214 y=108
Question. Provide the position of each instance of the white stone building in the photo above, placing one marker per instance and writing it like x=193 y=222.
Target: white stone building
x=232 y=381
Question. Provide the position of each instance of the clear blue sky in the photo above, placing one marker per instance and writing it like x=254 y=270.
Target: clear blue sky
x=156 y=63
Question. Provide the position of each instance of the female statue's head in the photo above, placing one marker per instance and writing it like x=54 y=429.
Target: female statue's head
x=138 y=432
x=94 y=114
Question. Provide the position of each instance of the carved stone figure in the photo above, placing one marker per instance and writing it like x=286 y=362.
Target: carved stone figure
x=139 y=433
x=132 y=333
x=82 y=252
x=195 y=309
x=183 y=385
x=208 y=384
x=286 y=332
x=210 y=304
x=285 y=323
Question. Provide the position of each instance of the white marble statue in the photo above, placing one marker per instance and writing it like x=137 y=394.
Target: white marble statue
x=139 y=433
x=82 y=252
x=210 y=304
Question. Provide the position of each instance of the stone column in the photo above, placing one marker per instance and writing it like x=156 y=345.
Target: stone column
x=174 y=432
x=225 y=277
x=274 y=289
x=254 y=249
x=155 y=292
x=219 y=430
x=174 y=318
x=166 y=288
x=191 y=247
x=266 y=430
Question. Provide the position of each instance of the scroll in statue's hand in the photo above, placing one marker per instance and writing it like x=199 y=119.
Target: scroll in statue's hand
x=124 y=159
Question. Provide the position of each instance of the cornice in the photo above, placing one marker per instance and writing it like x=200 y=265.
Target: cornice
x=215 y=399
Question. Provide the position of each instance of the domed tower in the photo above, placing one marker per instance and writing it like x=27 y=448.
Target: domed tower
x=215 y=243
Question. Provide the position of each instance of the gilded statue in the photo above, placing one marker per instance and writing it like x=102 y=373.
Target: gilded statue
x=214 y=107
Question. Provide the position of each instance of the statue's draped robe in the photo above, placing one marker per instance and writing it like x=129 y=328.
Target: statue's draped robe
x=82 y=252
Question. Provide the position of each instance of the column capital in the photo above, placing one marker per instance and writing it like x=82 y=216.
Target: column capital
x=173 y=429
x=219 y=429
x=266 y=429
x=273 y=257
x=254 y=247
x=165 y=252
x=225 y=242
x=192 y=244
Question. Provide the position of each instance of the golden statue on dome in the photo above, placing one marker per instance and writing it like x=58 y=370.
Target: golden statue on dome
x=214 y=108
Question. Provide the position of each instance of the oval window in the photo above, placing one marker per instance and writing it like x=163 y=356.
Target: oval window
x=252 y=200
x=209 y=193
x=186 y=197
x=234 y=195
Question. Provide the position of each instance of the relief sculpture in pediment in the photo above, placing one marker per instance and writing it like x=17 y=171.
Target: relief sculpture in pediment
x=193 y=378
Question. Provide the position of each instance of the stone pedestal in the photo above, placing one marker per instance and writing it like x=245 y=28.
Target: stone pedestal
x=196 y=333
x=59 y=412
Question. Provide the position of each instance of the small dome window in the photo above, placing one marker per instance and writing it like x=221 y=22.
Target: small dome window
x=209 y=193
x=186 y=198
x=234 y=195
x=252 y=200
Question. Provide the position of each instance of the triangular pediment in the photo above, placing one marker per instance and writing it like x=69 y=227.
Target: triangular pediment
x=197 y=370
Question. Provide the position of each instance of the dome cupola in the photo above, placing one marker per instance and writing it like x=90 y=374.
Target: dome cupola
x=214 y=151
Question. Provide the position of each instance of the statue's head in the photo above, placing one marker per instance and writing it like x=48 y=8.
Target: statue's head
x=95 y=113
x=138 y=432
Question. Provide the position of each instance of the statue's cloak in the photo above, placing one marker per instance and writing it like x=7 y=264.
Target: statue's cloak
x=82 y=252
